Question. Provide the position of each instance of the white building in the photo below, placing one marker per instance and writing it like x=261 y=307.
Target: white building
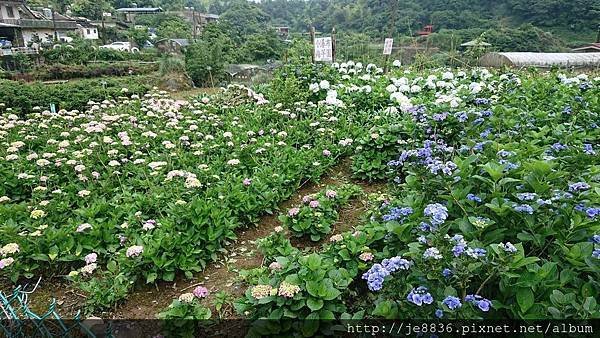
x=23 y=26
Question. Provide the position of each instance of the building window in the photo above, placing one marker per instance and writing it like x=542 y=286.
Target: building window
x=10 y=12
x=88 y=31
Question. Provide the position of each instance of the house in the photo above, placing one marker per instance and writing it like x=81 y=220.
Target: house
x=196 y=19
x=23 y=26
x=591 y=48
x=87 y=29
x=174 y=46
x=283 y=31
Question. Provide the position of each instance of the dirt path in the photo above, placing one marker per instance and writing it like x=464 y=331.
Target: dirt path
x=146 y=301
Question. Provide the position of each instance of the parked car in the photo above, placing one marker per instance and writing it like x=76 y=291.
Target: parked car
x=122 y=46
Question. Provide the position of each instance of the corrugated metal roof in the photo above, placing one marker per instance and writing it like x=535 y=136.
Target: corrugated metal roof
x=140 y=9
x=527 y=59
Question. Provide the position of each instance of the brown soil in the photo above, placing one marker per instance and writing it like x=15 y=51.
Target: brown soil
x=222 y=275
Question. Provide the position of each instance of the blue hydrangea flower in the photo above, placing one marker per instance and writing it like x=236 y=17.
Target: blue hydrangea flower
x=424 y=226
x=432 y=253
x=395 y=263
x=482 y=303
x=458 y=249
x=439 y=313
x=508 y=247
x=481 y=101
x=578 y=186
x=487 y=113
x=440 y=116
x=596 y=253
x=592 y=213
x=437 y=212
x=375 y=277
x=461 y=116
x=474 y=198
x=476 y=252
x=452 y=302
x=447 y=273
x=420 y=296
x=524 y=208
x=397 y=213
x=588 y=149
x=558 y=147
x=596 y=239
x=527 y=196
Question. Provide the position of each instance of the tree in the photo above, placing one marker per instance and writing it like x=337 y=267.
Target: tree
x=204 y=63
x=91 y=9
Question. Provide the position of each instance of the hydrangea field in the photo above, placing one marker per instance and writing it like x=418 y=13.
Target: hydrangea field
x=492 y=206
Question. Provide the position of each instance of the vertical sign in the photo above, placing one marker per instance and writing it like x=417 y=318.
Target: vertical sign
x=387 y=46
x=323 y=49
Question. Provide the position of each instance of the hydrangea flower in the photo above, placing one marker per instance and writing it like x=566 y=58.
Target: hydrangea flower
x=293 y=212
x=375 y=277
x=508 y=247
x=420 y=296
x=592 y=212
x=588 y=149
x=134 y=251
x=261 y=291
x=437 y=212
x=91 y=258
x=578 y=186
x=447 y=273
x=452 y=302
x=397 y=213
x=200 y=292
x=474 y=198
x=288 y=290
x=439 y=313
x=314 y=204
x=433 y=253
x=596 y=253
x=458 y=249
x=482 y=303
x=526 y=196
x=595 y=239
x=395 y=263
x=524 y=208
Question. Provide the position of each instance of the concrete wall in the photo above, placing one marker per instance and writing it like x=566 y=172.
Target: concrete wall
x=4 y=11
x=92 y=35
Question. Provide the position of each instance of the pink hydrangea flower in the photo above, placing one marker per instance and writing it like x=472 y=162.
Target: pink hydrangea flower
x=200 y=292
x=326 y=152
x=331 y=193
x=366 y=256
x=293 y=212
x=247 y=181
x=91 y=258
x=314 y=204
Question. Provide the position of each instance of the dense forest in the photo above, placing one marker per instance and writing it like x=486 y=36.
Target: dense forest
x=544 y=25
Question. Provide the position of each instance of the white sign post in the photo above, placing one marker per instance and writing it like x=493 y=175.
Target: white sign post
x=323 y=49
x=387 y=46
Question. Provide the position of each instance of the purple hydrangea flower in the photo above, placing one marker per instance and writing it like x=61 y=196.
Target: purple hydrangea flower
x=447 y=273
x=592 y=212
x=596 y=239
x=527 y=196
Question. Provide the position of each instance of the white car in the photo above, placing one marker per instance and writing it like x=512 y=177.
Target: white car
x=122 y=46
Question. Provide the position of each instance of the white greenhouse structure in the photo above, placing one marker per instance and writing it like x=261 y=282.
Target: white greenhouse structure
x=541 y=60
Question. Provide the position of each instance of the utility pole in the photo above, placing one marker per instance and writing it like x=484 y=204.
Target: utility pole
x=598 y=36
x=194 y=21
x=333 y=44
x=54 y=24
x=312 y=42
x=103 y=31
